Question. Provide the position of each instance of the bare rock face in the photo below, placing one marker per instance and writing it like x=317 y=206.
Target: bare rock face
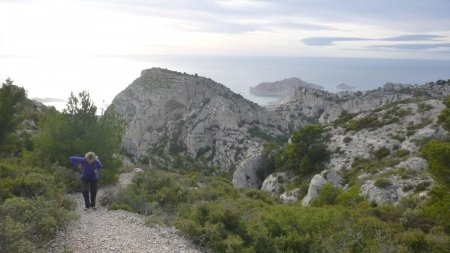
x=245 y=175
x=317 y=182
x=290 y=197
x=400 y=131
x=381 y=195
x=271 y=184
x=413 y=163
x=176 y=113
x=309 y=104
x=329 y=176
x=281 y=88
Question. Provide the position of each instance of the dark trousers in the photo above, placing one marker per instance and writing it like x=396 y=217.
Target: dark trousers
x=89 y=188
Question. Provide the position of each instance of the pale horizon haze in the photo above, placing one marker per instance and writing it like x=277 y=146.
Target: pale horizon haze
x=53 y=47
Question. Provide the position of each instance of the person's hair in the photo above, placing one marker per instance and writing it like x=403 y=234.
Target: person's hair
x=90 y=156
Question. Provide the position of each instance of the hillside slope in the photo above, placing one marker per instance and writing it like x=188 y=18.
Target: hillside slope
x=179 y=114
x=313 y=105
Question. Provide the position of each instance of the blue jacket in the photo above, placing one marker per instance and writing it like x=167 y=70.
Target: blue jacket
x=87 y=171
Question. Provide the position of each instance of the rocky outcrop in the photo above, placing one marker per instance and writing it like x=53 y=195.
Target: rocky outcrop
x=344 y=87
x=313 y=105
x=290 y=197
x=272 y=183
x=330 y=176
x=317 y=182
x=174 y=113
x=177 y=113
x=399 y=132
x=413 y=163
x=281 y=88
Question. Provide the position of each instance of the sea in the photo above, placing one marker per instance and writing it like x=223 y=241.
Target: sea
x=55 y=77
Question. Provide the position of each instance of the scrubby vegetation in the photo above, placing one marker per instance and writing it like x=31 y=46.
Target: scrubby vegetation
x=213 y=214
x=77 y=130
x=33 y=180
x=33 y=207
x=205 y=206
x=306 y=152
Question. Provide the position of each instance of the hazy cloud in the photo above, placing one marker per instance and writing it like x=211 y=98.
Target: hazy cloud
x=412 y=46
x=413 y=37
x=327 y=41
x=259 y=27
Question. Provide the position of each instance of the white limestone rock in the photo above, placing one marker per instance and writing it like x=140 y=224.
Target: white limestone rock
x=290 y=197
x=245 y=175
x=317 y=182
x=413 y=163
x=272 y=183
x=193 y=116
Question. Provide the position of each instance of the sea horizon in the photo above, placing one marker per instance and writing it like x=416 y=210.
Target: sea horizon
x=105 y=76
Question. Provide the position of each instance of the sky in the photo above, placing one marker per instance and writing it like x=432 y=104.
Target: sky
x=37 y=35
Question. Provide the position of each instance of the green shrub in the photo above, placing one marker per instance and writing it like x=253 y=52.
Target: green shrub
x=415 y=241
x=381 y=153
x=350 y=198
x=343 y=118
x=382 y=183
x=115 y=206
x=422 y=186
x=423 y=107
x=31 y=221
x=67 y=177
x=438 y=209
x=398 y=137
x=368 y=166
x=215 y=215
x=401 y=153
x=369 y=122
x=75 y=131
x=444 y=117
x=347 y=139
x=438 y=240
x=14 y=236
x=327 y=196
x=306 y=153
x=363 y=235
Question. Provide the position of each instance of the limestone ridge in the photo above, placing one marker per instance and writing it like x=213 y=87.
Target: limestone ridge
x=384 y=158
x=376 y=145
x=179 y=114
x=281 y=88
x=191 y=115
x=312 y=105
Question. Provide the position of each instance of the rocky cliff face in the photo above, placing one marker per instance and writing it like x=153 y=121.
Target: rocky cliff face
x=310 y=105
x=376 y=146
x=281 y=88
x=176 y=113
x=382 y=156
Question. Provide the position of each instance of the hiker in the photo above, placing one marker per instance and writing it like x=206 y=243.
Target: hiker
x=89 y=167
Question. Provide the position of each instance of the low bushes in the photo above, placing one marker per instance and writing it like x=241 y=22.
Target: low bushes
x=33 y=207
x=214 y=214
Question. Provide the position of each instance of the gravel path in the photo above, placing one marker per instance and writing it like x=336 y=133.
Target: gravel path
x=116 y=231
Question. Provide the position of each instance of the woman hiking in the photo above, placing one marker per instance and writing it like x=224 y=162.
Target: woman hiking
x=89 y=167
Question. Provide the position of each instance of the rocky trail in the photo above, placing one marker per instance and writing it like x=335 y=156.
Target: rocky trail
x=102 y=230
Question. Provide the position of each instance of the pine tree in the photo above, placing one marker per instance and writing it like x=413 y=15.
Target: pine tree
x=12 y=100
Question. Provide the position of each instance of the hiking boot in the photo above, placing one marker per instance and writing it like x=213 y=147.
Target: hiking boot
x=86 y=208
